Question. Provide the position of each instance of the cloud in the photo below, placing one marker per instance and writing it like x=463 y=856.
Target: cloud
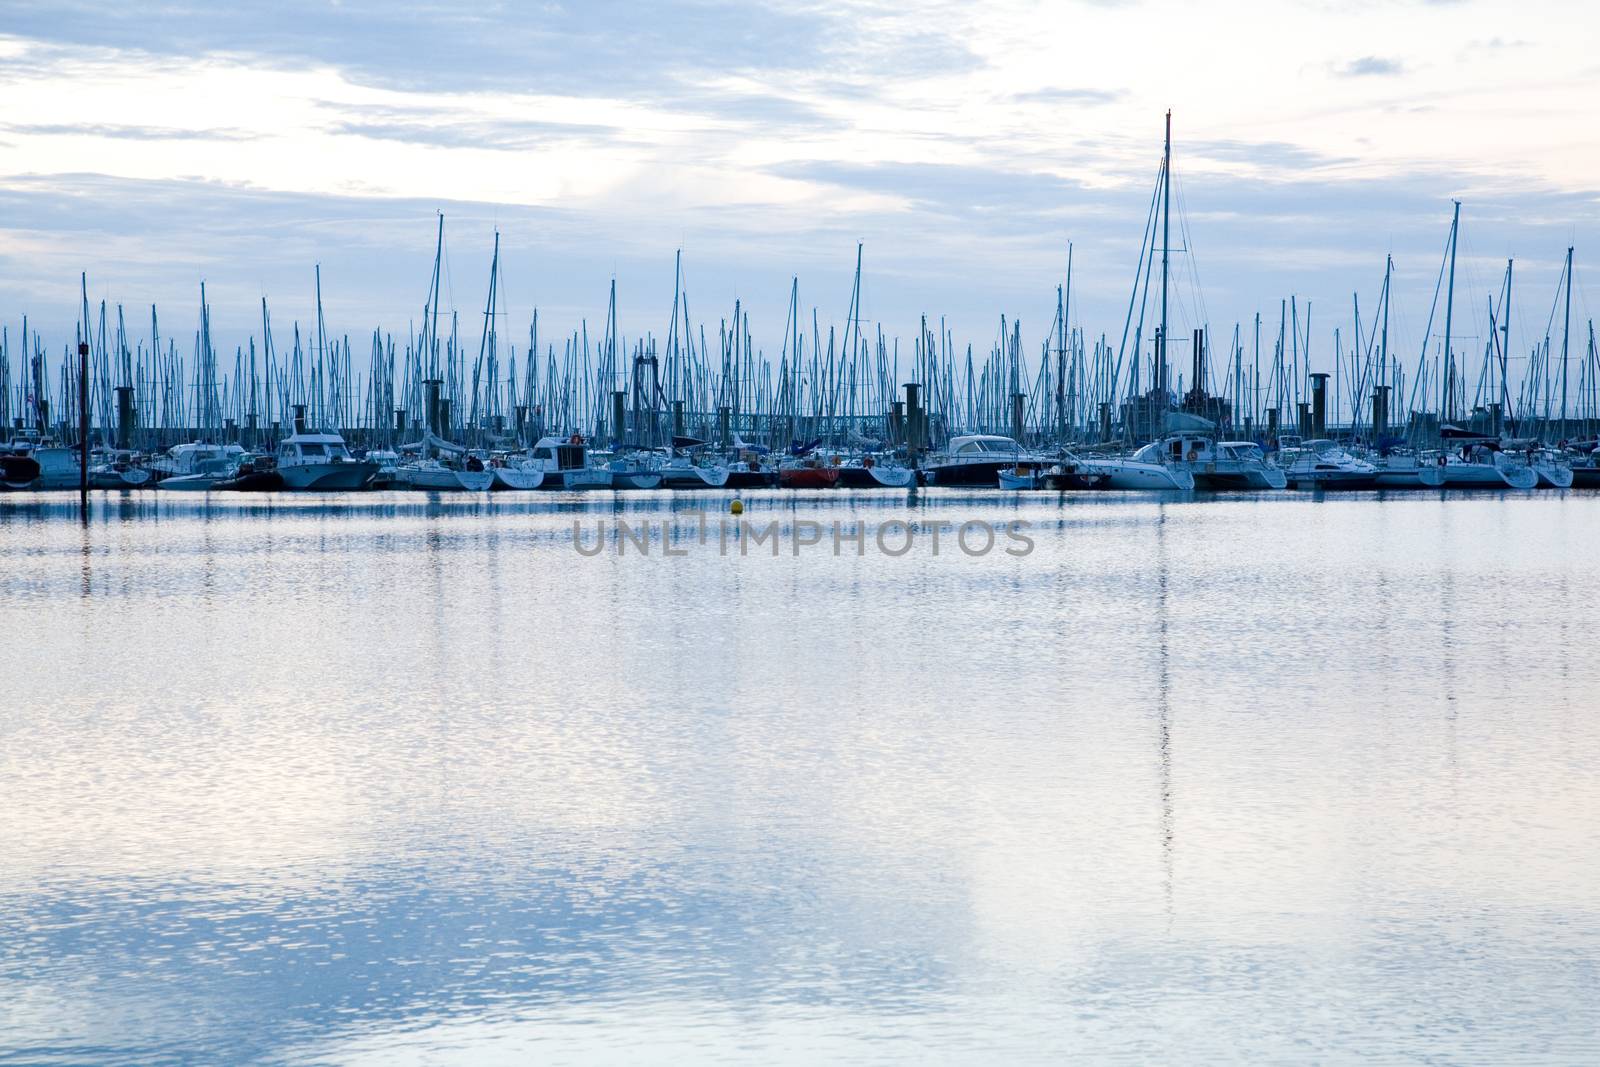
x=504 y=136
x=1070 y=96
x=131 y=133
x=1371 y=66
x=619 y=48
x=1263 y=156
x=954 y=190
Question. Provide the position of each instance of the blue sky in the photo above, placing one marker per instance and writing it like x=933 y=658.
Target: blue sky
x=965 y=145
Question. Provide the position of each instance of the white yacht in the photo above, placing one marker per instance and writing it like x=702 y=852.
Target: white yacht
x=978 y=459
x=1322 y=464
x=196 y=466
x=1216 y=465
x=320 y=461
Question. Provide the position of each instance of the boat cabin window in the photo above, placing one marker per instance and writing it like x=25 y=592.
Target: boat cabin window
x=570 y=457
x=312 y=448
x=543 y=453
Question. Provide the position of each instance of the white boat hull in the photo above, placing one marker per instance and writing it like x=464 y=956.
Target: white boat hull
x=132 y=478
x=1230 y=477
x=1477 y=476
x=58 y=468
x=635 y=479
x=1012 y=480
x=444 y=479
x=1553 y=476
x=1133 y=475
x=327 y=477
x=893 y=477
x=517 y=478
x=694 y=477
x=191 y=483
x=587 y=478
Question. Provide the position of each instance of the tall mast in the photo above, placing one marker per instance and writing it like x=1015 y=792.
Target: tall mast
x=1449 y=307
x=1566 y=329
x=430 y=318
x=1166 y=230
x=1505 y=349
x=1383 y=347
x=1070 y=414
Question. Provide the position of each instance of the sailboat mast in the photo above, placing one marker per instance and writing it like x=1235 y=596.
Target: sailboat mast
x=1383 y=346
x=1505 y=349
x=1566 y=330
x=1166 y=243
x=1449 y=308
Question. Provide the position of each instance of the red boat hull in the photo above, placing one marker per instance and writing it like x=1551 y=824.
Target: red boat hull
x=808 y=477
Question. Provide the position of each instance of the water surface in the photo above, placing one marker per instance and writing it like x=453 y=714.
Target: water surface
x=392 y=779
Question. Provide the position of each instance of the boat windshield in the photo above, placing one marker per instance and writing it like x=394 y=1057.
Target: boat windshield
x=312 y=448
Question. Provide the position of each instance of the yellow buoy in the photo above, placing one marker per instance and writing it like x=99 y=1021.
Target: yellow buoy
x=737 y=507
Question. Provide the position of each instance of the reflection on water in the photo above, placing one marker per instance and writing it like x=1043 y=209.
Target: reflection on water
x=395 y=778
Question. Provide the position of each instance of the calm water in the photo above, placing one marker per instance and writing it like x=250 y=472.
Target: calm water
x=387 y=780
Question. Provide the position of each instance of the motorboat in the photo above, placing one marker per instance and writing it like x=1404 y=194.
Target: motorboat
x=321 y=462
x=978 y=459
x=564 y=462
x=196 y=466
x=386 y=462
x=1022 y=478
x=1322 y=464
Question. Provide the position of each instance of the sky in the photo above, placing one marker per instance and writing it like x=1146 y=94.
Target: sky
x=965 y=146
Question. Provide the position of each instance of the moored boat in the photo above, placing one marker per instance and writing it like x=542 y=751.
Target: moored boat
x=875 y=472
x=1322 y=464
x=978 y=459
x=320 y=462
